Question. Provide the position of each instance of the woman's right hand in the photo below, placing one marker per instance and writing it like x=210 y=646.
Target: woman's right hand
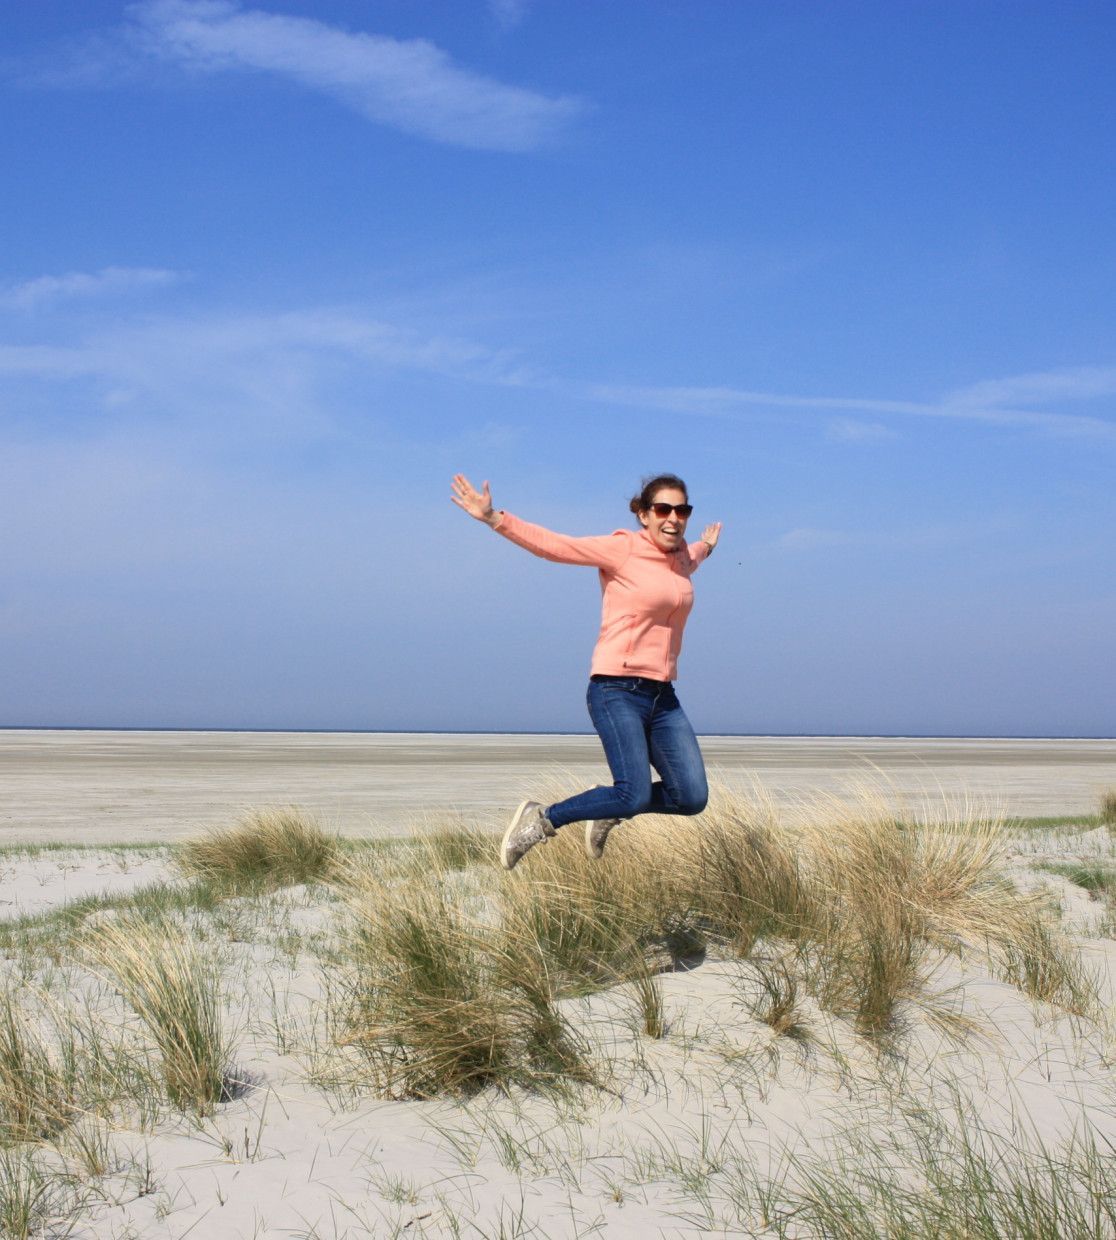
x=476 y=503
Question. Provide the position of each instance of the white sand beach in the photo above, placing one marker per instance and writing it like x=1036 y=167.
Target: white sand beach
x=112 y=787
x=689 y=1132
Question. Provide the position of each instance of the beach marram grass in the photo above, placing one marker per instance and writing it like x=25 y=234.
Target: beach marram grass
x=863 y=899
x=419 y=1004
x=268 y=848
x=37 y=1094
x=699 y=976
x=173 y=984
x=1035 y=956
x=648 y=1006
x=451 y=845
x=65 y=1065
x=455 y=975
x=778 y=1001
x=439 y=1002
x=1108 y=807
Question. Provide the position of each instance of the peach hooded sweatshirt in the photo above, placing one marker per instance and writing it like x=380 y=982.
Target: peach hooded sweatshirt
x=647 y=593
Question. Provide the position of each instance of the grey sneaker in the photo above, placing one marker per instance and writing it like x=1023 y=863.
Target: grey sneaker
x=596 y=832
x=529 y=826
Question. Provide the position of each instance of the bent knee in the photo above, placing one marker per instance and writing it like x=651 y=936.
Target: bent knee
x=633 y=799
x=694 y=799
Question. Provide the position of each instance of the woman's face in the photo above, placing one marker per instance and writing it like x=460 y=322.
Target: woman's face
x=667 y=533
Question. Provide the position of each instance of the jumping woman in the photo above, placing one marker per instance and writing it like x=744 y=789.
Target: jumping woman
x=645 y=580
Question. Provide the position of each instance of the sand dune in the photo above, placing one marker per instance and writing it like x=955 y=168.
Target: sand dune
x=721 y=1127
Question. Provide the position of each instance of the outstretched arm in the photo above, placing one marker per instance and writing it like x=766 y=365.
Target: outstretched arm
x=601 y=551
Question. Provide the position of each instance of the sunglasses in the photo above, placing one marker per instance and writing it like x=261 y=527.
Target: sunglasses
x=664 y=510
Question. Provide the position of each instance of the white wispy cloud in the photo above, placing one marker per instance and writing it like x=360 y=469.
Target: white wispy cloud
x=294 y=372
x=993 y=401
x=1075 y=383
x=726 y=400
x=410 y=84
x=109 y=281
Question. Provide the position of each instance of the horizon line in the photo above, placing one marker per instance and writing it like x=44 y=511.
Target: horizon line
x=236 y=730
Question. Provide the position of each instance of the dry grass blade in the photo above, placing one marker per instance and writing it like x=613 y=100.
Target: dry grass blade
x=268 y=848
x=174 y=986
x=36 y=1099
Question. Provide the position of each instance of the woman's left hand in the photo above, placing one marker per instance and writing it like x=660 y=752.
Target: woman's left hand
x=711 y=533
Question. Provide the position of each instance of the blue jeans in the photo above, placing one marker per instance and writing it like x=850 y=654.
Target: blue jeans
x=641 y=725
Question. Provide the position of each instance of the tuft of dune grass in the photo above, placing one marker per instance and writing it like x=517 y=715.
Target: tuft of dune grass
x=452 y=845
x=59 y=1069
x=268 y=848
x=174 y=985
x=778 y=1003
x=1108 y=807
x=884 y=891
x=648 y=1005
x=36 y=1094
x=583 y=919
x=1038 y=958
x=438 y=1004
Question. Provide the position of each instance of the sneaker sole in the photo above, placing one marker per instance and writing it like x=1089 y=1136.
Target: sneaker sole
x=589 y=851
x=517 y=818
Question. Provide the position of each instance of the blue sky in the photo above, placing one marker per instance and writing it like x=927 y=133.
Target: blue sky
x=272 y=274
